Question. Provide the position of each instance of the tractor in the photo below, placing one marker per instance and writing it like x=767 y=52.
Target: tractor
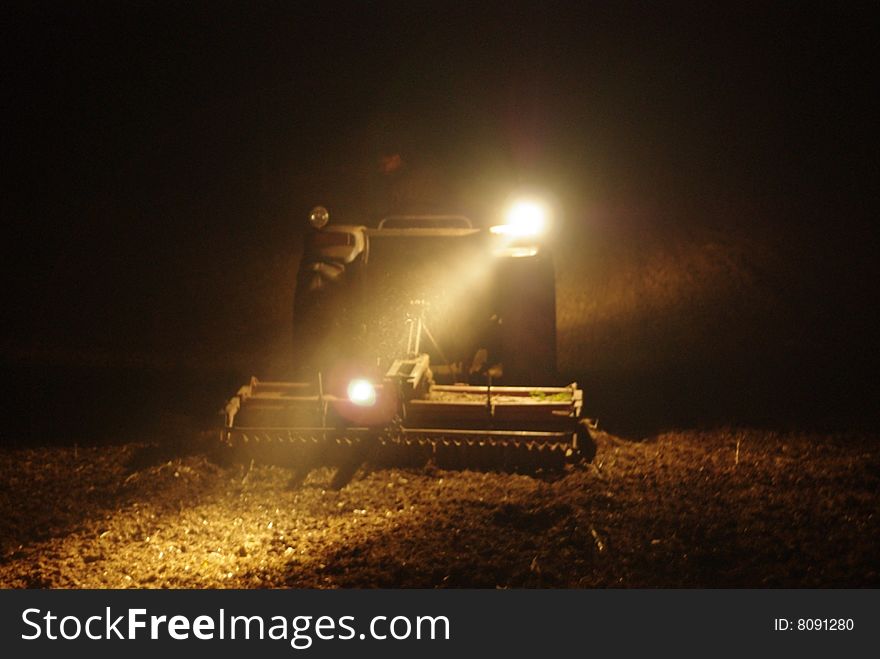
x=422 y=338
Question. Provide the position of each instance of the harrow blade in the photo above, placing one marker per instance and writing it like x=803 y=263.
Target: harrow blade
x=455 y=449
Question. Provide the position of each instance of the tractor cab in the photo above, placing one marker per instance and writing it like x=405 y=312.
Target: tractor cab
x=480 y=303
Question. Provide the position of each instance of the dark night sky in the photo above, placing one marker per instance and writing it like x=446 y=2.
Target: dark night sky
x=151 y=149
x=157 y=104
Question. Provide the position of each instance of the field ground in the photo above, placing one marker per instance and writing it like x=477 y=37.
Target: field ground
x=727 y=508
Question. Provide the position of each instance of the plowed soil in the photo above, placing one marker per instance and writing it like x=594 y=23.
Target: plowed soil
x=686 y=509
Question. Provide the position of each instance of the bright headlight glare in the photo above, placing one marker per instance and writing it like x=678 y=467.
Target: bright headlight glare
x=523 y=219
x=362 y=392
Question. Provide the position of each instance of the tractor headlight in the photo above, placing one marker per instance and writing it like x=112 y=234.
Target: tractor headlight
x=524 y=219
x=319 y=217
x=362 y=392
